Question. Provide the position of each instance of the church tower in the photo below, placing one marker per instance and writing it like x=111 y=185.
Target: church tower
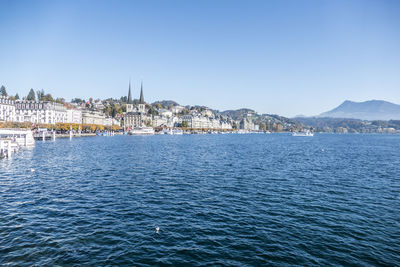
x=129 y=105
x=141 y=105
x=141 y=99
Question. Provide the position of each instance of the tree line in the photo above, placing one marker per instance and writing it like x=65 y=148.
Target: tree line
x=39 y=95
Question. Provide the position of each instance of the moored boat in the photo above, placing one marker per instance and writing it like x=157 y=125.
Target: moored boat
x=141 y=131
x=306 y=133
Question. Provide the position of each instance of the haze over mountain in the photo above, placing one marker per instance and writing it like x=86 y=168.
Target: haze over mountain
x=368 y=110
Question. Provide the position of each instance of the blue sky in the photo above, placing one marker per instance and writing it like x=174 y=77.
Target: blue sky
x=282 y=57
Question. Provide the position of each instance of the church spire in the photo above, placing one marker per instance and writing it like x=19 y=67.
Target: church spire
x=129 y=93
x=141 y=100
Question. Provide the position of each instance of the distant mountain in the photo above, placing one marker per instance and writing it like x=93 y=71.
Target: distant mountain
x=368 y=110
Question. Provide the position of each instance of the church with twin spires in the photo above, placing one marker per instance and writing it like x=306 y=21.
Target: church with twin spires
x=135 y=115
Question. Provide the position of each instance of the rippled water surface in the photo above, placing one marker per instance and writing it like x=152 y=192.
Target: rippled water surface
x=218 y=200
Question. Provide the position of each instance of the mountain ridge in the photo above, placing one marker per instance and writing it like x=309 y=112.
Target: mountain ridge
x=366 y=110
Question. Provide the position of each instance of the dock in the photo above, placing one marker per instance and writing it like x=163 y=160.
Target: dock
x=52 y=135
x=11 y=140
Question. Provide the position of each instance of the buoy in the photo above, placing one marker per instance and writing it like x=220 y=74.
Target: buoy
x=32 y=170
x=157 y=229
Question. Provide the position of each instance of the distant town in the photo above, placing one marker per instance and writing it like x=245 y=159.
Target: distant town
x=39 y=109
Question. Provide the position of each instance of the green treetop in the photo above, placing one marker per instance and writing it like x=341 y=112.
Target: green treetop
x=3 y=91
x=31 y=96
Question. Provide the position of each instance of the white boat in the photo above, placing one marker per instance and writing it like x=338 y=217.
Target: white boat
x=22 y=137
x=306 y=133
x=141 y=131
x=177 y=132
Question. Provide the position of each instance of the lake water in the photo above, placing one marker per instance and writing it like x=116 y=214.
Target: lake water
x=248 y=199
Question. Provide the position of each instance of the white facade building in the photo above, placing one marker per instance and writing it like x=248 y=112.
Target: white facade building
x=110 y=121
x=93 y=117
x=7 y=109
x=177 y=109
x=200 y=122
x=226 y=125
x=159 y=121
x=74 y=116
x=165 y=113
x=174 y=121
x=98 y=105
x=40 y=112
x=247 y=124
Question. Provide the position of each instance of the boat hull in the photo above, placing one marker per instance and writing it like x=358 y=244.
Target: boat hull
x=142 y=131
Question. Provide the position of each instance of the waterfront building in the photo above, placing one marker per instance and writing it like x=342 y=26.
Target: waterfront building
x=93 y=117
x=226 y=125
x=246 y=124
x=7 y=109
x=188 y=119
x=74 y=115
x=40 y=112
x=110 y=121
x=215 y=124
x=344 y=130
x=174 y=121
x=159 y=121
x=200 y=122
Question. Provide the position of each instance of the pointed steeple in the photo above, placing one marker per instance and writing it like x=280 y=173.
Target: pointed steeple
x=129 y=93
x=141 y=99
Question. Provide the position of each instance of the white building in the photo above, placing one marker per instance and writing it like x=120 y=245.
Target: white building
x=165 y=113
x=98 y=105
x=197 y=122
x=74 y=116
x=159 y=121
x=40 y=112
x=247 y=124
x=226 y=125
x=7 y=109
x=174 y=121
x=93 y=117
x=215 y=124
x=110 y=121
x=177 y=109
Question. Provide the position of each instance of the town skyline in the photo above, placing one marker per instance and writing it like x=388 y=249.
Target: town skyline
x=222 y=55
x=139 y=92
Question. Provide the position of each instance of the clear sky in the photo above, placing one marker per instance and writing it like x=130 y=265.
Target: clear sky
x=283 y=57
